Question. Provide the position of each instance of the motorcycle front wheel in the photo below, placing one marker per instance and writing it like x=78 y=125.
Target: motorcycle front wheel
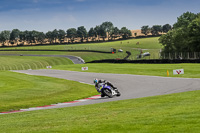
x=108 y=93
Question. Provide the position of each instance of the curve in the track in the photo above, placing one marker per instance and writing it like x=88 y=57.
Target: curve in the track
x=130 y=86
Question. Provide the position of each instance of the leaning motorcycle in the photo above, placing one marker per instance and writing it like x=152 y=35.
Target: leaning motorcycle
x=107 y=90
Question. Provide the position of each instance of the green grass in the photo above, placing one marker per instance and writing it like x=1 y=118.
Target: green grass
x=174 y=113
x=191 y=70
x=145 y=43
x=149 y=44
x=19 y=91
x=27 y=62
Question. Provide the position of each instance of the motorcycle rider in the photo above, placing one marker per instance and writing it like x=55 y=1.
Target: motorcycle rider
x=99 y=83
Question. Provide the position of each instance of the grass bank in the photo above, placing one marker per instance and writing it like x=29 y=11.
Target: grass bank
x=19 y=91
x=175 y=113
x=191 y=70
x=29 y=62
x=145 y=44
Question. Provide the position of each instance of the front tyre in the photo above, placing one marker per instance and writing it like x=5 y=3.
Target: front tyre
x=108 y=93
x=118 y=94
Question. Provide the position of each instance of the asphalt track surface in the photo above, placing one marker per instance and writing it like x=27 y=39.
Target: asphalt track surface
x=130 y=86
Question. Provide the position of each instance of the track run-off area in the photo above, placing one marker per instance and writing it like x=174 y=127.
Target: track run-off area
x=130 y=86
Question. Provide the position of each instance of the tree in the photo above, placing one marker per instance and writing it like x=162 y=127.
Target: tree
x=14 y=36
x=40 y=37
x=108 y=28
x=102 y=32
x=4 y=36
x=82 y=32
x=184 y=20
x=55 y=35
x=194 y=34
x=97 y=32
x=145 y=30
x=115 y=33
x=184 y=37
x=166 y=28
x=91 y=33
x=156 y=29
x=125 y=33
x=61 y=35
x=22 y=37
x=49 y=36
x=71 y=33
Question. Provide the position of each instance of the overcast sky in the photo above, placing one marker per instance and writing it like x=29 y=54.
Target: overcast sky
x=47 y=15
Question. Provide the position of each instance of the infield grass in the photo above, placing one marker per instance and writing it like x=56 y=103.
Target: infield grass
x=174 y=113
x=19 y=91
x=28 y=62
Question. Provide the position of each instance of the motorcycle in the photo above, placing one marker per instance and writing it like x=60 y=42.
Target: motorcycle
x=107 y=90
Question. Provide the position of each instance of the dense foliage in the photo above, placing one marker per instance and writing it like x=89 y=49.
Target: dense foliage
x=155 y=29
x=185 y=35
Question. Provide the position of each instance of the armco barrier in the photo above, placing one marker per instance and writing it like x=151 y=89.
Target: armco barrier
x=153 y=61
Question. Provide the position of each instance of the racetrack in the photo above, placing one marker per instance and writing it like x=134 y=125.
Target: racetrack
x=130 y=86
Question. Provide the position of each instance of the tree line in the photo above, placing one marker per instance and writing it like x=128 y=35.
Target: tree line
x=100 y=32
x=155 y=29
x=184 y=36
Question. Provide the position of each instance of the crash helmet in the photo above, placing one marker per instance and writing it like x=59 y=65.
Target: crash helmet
x=95 y=81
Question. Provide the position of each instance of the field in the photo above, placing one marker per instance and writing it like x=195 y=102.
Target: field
x=25 y=62
x=168 y=113
x=19 y=91
x=175 y=113
x=146 y=45
x=191 y=70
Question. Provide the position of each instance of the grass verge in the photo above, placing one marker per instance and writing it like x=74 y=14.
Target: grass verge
x=19 y=91
x=174 y=113
x=191 y=70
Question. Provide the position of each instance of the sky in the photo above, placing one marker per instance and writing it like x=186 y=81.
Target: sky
x=47 y=15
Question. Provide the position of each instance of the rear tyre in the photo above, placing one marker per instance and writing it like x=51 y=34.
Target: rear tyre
x=102 y=95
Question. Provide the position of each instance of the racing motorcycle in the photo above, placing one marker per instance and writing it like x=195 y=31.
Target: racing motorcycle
x=107 y=90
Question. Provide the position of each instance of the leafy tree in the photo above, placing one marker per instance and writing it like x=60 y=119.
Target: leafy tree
x=49 y=36
x=185 y=36
x=97 y=31
x=61 y=35
x=14 y=36
x=102 y=32
x=107 y=27
x=115 y=33
x=92 y=34
x=4 y=36
x=194 y=34
x=145 y=30
x=156 y=29
x=22 y=36
x=166 y=28
x=55 y=35
x=184 y=20
x=82 y=32
x=41 y=37
x=71 y=33
x=125 y=33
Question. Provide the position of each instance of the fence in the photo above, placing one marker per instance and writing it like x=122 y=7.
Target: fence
x=180 y=55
